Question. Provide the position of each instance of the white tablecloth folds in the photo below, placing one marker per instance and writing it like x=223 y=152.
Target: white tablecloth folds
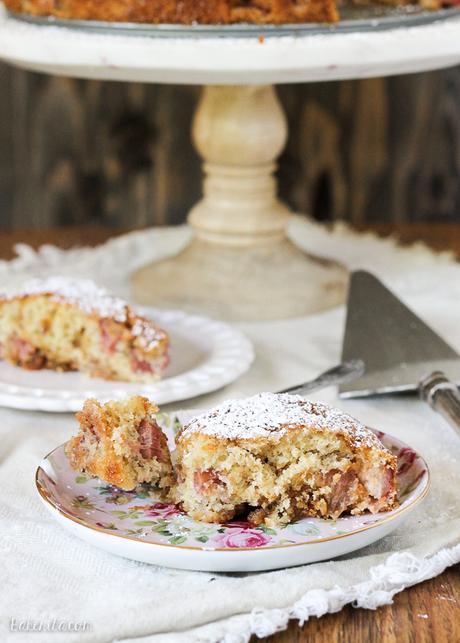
x=48 y=576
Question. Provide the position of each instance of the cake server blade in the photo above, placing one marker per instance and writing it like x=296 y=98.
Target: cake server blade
x=397 y=347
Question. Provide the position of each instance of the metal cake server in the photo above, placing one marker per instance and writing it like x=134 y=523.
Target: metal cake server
x=400 y=352
x=345 y=372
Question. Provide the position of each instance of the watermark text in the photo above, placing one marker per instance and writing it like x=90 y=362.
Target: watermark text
x=48 y=625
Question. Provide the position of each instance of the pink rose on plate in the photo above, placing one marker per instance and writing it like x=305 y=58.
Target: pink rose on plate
x=162 y=510
x=406 y=458
x=241 y=537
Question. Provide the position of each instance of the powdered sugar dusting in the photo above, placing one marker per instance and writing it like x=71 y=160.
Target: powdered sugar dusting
x=83 y=293
x=270 y=415
x=91 y=298
x=148 y=334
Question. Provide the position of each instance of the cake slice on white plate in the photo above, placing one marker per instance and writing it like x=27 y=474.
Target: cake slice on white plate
x=73 y=325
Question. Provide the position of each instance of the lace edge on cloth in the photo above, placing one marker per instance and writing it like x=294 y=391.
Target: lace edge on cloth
x=399 y=571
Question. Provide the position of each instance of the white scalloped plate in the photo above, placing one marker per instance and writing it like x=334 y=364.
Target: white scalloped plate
x=205 y=356
x=139 y=526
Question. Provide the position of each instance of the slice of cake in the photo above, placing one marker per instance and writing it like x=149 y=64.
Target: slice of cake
x=122 y=444
x=69 y=324
x=279 y=458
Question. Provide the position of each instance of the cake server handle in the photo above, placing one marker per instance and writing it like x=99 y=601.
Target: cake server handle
x=443 y=397
x=346 y=372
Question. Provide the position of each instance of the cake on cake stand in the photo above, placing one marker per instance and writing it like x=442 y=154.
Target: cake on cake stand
x=240 y=263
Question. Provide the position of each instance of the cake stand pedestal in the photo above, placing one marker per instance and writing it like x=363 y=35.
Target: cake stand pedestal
x=240 y=264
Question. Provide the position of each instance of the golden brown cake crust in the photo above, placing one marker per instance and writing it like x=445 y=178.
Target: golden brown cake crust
x=183 y=11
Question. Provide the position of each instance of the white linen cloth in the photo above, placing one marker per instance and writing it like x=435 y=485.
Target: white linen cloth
x=48 y=574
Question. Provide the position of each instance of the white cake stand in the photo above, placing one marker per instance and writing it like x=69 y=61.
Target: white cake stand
x=239 y=264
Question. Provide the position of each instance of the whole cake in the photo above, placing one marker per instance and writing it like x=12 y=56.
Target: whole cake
x=71 y=324
x=189 y=12
x=278 y=458
x=122 y=444
x=183 y=11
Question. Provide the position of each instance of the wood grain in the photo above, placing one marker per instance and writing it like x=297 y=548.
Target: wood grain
x=426 y=613
x=78 y=152
x=436 y=236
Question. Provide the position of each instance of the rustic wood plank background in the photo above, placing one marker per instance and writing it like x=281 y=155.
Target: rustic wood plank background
x=78 y=152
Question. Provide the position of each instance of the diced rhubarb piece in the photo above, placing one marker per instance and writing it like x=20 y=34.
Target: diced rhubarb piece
x=150 y=440
x=140 y=365
x=204 y=480
x=26 y=354
x=342 y=492
x=377 y=480
x=110 y=335
x=387 y=482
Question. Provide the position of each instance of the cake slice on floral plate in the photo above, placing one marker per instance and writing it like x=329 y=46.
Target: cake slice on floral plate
x=122 y=444
x=126 y=508
x=280 y=458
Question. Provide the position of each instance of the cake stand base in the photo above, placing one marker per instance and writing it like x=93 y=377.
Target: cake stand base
x=240 y=264
x=272 y=281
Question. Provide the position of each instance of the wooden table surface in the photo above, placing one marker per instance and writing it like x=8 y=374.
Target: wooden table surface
x=428 y=612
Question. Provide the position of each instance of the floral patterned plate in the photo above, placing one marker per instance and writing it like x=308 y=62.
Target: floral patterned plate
x=138 y=525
